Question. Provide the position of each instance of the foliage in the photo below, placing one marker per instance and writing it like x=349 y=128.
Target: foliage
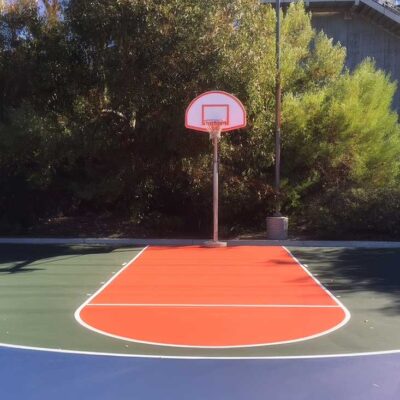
x=343 y=141
x=93 y=95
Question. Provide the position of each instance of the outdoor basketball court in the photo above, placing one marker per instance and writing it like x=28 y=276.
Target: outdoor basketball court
x=179 y=322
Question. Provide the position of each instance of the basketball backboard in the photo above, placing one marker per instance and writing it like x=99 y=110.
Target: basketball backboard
x=215 y=106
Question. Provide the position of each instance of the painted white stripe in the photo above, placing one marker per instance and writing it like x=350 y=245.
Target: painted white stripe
x=156 y=356
x=89 y=300
x=213 y=305
x=335 y=299
x=181 y=357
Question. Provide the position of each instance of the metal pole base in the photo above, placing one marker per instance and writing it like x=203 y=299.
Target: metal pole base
x=277 y=228
x=214 y=244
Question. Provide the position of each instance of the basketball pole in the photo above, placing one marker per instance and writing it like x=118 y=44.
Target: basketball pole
x=215 y=135
x=215 y=188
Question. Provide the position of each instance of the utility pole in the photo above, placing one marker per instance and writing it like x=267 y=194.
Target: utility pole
x=278 y=110
x=277 y=225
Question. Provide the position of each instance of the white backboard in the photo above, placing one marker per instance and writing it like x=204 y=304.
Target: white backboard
x=215 y=105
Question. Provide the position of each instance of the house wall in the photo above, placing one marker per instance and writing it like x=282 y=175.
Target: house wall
x=363 y=38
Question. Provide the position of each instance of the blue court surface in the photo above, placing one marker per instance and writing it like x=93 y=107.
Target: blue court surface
x=34 y=375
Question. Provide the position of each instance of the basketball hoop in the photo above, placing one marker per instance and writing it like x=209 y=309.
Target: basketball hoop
x=215 y=112
x=214 y=127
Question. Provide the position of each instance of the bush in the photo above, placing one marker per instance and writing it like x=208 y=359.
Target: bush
x=93 y=105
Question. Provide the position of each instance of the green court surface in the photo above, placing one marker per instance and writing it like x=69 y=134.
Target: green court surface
x=41 y=286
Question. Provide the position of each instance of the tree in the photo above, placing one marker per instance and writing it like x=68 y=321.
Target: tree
x=99 y=88
x=347 y=145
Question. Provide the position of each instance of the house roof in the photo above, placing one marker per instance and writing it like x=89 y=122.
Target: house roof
x=382 y=12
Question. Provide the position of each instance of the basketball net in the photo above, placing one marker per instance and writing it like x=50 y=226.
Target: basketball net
x=214 y=127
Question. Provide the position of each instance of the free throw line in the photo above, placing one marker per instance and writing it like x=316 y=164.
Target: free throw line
x=213 y=305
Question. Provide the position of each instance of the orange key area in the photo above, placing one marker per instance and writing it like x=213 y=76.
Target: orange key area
x=224 y=297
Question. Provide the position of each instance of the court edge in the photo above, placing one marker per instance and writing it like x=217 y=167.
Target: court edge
x=190 y=242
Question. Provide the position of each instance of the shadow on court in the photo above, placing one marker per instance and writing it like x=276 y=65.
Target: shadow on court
x=16 y=259
x=350 y=270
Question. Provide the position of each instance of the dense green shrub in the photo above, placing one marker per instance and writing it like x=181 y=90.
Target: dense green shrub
x=92 y=109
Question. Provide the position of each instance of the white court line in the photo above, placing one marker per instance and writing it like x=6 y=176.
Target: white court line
x=184 y=357
x=335 y=299
x=90 y=299
x=212 y=305
x=78 y=311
